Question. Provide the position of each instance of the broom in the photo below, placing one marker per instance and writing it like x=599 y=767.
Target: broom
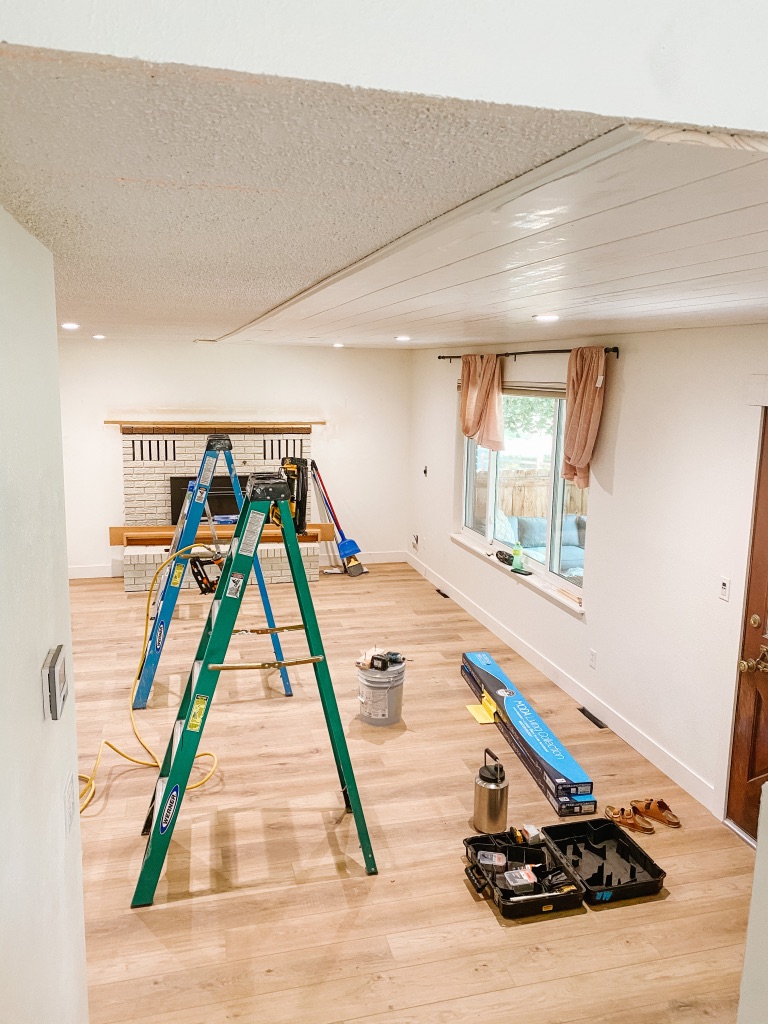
x=348 y=549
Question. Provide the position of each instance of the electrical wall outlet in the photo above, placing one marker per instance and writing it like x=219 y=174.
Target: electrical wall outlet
x=592 y=658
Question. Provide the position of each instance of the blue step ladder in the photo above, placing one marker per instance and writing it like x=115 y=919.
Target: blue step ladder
x=195 y=504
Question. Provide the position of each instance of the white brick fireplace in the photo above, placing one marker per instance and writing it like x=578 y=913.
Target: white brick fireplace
x=152 y=454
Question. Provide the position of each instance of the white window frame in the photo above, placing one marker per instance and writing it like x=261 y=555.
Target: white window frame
x=539 y=569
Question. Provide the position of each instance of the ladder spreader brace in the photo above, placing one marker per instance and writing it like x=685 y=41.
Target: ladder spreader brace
x=192 y=510
x=266 y=499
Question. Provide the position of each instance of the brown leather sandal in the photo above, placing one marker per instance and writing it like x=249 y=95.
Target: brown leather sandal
x=657 y=810
x=630 y=818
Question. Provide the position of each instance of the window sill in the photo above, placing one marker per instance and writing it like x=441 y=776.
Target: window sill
x=534 y=582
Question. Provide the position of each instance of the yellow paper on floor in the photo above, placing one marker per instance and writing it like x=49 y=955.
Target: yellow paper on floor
x=479 y=713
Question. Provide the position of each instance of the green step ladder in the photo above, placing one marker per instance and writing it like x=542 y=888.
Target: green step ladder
x=266 y=499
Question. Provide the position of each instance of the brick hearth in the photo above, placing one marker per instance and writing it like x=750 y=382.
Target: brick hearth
x=140 y=565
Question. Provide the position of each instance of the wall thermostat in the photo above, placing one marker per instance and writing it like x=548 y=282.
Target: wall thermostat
x=55 y=685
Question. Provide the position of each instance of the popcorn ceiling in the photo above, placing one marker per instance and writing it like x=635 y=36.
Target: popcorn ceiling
x=182 y=202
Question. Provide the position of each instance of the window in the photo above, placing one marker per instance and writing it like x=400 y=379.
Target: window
x=518 y=496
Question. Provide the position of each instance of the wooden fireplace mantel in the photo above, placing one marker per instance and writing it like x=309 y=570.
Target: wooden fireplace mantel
x=131 y=536
x=213 y=427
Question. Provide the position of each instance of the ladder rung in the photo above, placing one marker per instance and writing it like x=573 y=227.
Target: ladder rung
x=265 y=664
x=268 y=629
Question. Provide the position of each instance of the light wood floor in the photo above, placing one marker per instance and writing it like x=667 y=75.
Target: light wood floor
x=265 y=913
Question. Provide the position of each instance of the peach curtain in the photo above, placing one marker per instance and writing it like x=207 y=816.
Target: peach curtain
x=584 y=393
x=481 y=416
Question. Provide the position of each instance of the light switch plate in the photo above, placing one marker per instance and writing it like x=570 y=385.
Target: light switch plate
x=725 y=589
x=55 y=684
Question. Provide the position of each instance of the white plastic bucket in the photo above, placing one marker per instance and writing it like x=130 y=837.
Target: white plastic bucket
x=381 y=694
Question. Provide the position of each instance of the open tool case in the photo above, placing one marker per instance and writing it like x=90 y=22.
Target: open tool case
x=550 y=872
x=608 y=862
x=596 y=856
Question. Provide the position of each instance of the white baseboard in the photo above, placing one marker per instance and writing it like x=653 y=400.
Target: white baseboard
x=680 y=773
x=371 y=557
x=377 y=557
x=88 y=572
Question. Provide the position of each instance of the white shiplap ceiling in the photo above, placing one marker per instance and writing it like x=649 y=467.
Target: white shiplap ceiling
x=624 y=234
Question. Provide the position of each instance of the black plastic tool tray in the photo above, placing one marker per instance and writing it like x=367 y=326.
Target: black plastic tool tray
x=538 y=902
x=606 y=860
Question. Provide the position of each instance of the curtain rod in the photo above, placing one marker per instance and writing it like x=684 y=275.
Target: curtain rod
x=537 y=352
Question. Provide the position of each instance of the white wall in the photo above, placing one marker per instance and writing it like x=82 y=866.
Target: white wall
x=752 y=1000
x=670 y=511
x=364 y=397
x=698 y=61
x=42 y=945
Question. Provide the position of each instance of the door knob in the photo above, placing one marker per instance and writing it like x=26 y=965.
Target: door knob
x=759 y=664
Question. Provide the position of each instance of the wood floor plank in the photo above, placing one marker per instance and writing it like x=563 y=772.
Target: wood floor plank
x=265 y=912
x=193 y=987
x=618 y=991
x=712 y=1008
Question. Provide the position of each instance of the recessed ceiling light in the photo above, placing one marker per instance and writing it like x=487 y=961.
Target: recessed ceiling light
x=338 y=344
x=70 y=326
x=99 y=337
x=546 y=318
x=402 y=337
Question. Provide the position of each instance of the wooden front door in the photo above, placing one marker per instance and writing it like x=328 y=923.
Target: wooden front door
x=749 y=754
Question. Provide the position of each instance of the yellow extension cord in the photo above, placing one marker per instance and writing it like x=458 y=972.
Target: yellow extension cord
x=88 y=791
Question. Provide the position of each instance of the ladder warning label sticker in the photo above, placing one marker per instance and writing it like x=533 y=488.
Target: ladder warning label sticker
x=178 y=572
x=207 y=473
x=235 y=584
x=201 y=495
x=251 y=533
x=196 y=715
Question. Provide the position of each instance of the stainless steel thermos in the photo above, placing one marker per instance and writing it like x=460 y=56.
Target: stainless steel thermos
x=491 y=794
